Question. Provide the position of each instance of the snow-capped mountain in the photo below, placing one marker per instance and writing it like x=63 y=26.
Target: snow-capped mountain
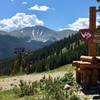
x=41 y=33
x=31 y=38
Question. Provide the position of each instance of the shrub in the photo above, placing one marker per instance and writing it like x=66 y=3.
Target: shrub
x=68 y=78
x=54 y=89
x=27 y=88
x=49 y=89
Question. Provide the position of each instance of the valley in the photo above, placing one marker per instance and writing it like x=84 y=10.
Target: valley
x=31 y=38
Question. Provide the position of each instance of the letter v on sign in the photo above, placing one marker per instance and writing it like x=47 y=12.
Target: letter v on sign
x=86 y=35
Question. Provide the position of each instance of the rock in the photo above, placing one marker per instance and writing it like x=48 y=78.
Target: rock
x=67 y=87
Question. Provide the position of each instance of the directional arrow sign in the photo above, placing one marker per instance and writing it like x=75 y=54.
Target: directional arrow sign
x=96 y=37
x=86 y=35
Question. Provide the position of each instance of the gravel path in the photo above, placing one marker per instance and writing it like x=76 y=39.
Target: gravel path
x=10 y=82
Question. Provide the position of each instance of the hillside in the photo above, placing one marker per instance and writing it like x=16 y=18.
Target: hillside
x=31 y=38
x=41 y=33
x=9 y=43
x=47 y=84
x=6 y=81
x=50 y=57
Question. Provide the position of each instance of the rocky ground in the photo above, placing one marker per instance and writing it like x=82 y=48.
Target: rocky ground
x=10 y=82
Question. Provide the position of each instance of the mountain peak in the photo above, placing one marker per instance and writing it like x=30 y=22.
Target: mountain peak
x=39 y=33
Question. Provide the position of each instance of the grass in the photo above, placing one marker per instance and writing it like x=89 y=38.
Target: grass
x=67 y=67
x=10 y=95
x=7 y=95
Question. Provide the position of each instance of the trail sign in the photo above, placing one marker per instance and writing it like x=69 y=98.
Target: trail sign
x=86 y=35
x=96 y=37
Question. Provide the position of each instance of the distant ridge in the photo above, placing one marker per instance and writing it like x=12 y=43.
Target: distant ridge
x=31 y=38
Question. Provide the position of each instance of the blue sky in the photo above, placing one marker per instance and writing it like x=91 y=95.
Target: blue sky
x=55 y=14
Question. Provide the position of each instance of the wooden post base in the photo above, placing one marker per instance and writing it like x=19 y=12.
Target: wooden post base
x=88 y=70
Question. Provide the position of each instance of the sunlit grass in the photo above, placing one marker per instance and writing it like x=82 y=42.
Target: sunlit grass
x=67 y=67
x=7 y=95
x=10 y=95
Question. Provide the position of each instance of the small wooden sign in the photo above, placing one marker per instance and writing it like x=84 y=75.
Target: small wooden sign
x=96 y=37
x=86 y=35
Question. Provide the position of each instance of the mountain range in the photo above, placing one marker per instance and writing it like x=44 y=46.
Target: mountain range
x=31 y=38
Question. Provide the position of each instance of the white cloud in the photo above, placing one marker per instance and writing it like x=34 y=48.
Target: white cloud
x=80 y=23
x=20 y=20
x=39 y=8
x=24 y=3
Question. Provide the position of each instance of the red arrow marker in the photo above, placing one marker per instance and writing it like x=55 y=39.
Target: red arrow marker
x=86 y=35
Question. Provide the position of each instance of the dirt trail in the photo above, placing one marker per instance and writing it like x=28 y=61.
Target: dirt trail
x=10 y=82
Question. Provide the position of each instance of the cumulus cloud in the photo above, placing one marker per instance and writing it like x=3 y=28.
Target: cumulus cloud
x=24 y=3
x=20 y=20
x=39 y=8
x=80 y=23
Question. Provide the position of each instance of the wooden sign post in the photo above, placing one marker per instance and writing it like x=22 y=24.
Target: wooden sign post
x=88 y=34
x=88 y=68
x=92 y=27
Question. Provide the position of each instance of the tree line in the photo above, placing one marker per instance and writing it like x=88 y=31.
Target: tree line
x=50 y=57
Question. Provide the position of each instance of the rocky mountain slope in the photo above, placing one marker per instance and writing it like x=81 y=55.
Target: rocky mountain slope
x=31 y=38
